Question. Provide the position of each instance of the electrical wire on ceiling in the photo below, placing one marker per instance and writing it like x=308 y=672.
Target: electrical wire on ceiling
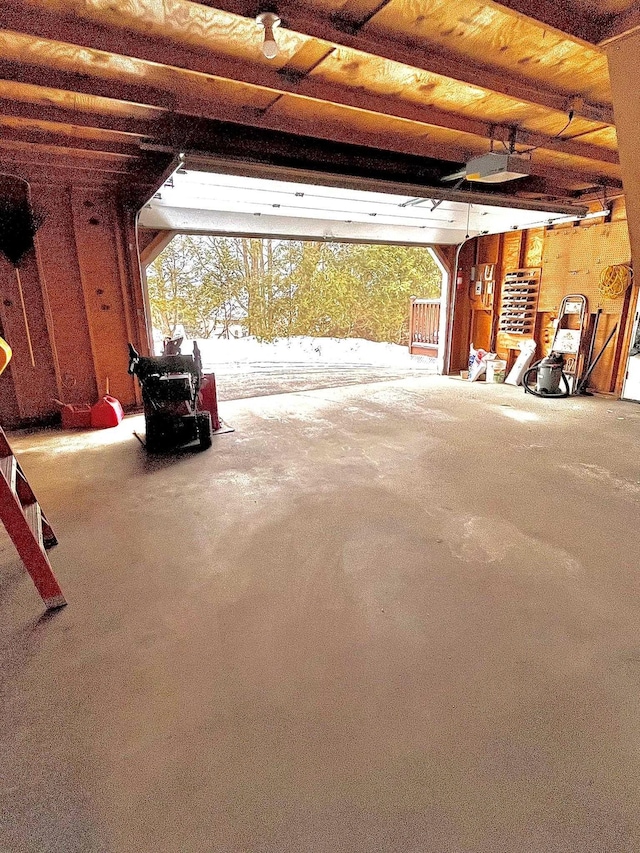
x=511 y=147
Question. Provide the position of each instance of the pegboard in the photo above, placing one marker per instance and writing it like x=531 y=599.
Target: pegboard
x=573 y=260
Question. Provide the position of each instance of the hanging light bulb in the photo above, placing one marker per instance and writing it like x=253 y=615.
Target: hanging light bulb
x=269 y=20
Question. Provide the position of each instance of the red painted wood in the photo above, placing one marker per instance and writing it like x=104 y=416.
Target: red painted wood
x=27 y=544
x=28 y=548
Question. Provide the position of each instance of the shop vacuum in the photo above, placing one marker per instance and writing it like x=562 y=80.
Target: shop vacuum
x=549 y=377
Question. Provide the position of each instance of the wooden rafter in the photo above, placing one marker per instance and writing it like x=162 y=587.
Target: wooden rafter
x=619 y=26
x=122 y=83
x=88 y=28
x=175 y=133
x=561 y=16
x=96 y=135
x=61 y=158
x=62 y=141
x=334 y=31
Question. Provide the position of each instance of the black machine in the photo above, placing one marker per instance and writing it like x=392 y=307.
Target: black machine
x=170 y=385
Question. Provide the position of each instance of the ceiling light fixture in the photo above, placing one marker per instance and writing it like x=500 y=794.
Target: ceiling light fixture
x=269 y=20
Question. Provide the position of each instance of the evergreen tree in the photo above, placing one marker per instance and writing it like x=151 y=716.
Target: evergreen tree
x=277 y=288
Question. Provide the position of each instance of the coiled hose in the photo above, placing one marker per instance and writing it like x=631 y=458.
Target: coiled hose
x=529 y=390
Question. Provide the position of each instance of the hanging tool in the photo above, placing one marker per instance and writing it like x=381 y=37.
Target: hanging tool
x=582 y=385
x=592 y=343
x=18 y=226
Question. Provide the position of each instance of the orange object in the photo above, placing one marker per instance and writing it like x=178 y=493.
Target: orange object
x=209 y=399
x=106 y=413
x=27 y=526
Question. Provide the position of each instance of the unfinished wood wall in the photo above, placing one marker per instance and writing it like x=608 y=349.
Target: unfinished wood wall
x=571 y=259
x=83 y=302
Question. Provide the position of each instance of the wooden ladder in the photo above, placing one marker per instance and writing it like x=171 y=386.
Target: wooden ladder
x=27 y=526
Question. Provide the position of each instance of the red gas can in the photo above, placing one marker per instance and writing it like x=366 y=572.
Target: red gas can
x=76 y=417
x=106 y=413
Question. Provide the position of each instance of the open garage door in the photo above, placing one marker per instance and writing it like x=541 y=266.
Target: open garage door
x=287 y=204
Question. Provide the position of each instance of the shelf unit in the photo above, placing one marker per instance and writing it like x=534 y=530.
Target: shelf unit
x=519 y=301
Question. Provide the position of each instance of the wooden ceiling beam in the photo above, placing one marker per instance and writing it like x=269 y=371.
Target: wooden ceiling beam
x=97 y=135
x=78 y=81
x=560 y=16
x=86 y=29
x=86 y=80
x=51 y=160
x=104 y=161
x=67 y=115
x=560 y=181
x=337 y=31
x=619 y=26
x=42 y=136
x=125 y=90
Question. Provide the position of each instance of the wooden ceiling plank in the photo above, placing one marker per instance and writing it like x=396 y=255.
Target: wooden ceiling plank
x=41 y=22
x=126 y=88
x=31 y=74
x=78 y=102
x=48 y=136
x=73 y=131
x=106 y=158
x=300 y=19
x=46 y=159
x=66 y=115
x=621 y=25
x=560 y=16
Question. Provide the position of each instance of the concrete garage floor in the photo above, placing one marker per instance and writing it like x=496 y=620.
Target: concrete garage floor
x=253 y=380
x=396 y=617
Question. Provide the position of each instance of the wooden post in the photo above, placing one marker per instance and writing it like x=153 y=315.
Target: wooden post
x=411 y=321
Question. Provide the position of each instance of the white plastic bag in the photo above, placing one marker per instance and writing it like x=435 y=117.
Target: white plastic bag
x=523 y=362
x=479 y=366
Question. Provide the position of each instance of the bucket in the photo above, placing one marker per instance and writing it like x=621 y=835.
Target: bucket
x=496 y=370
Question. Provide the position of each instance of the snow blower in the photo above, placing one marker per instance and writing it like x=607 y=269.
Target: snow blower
x=170 y=386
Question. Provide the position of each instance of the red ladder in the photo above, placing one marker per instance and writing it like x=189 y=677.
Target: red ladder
x=27 y=526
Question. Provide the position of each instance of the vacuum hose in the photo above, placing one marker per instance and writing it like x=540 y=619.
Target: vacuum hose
x=532 y=390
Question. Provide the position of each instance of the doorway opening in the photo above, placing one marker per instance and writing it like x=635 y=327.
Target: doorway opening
x=274 y=314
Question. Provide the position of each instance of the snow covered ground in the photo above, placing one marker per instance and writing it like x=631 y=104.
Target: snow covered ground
x=305 y=353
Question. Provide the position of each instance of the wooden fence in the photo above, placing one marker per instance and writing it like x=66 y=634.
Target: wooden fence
x=424 y=326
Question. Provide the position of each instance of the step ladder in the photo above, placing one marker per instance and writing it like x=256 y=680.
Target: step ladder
x=27 y=526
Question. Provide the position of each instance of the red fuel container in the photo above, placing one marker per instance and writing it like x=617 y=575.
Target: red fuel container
x=76 y=417
x=106 y=413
